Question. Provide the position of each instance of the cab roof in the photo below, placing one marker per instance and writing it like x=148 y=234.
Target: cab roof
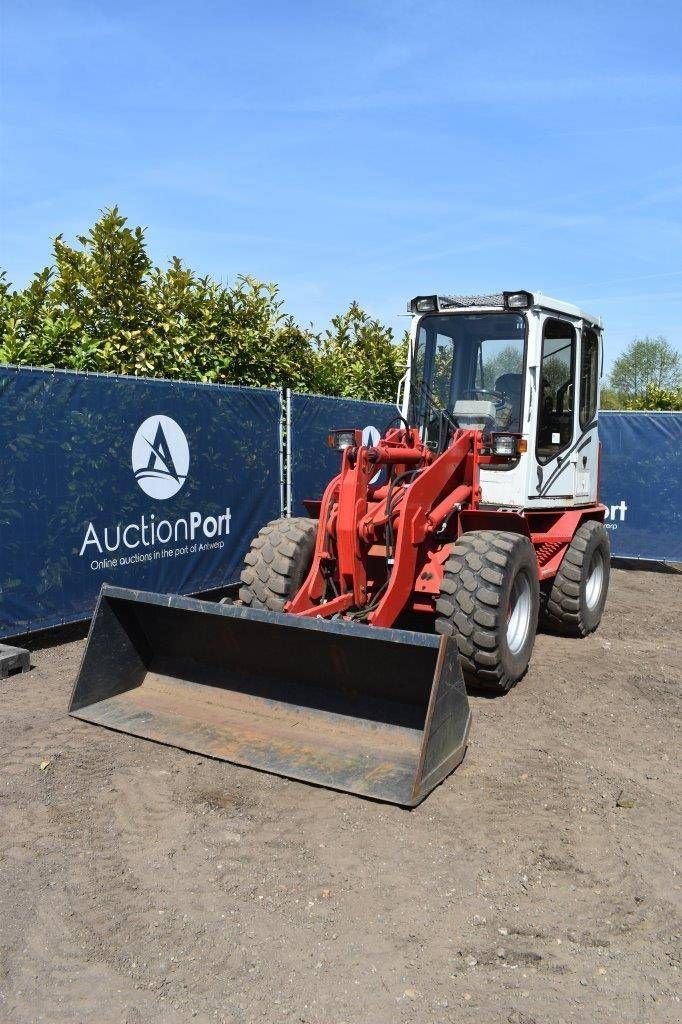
x=496 y=300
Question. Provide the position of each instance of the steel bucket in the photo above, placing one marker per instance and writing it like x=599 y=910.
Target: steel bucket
x=378 y=712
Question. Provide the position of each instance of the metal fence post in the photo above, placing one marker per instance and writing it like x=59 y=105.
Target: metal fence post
x=282 y=442
x=289 y=456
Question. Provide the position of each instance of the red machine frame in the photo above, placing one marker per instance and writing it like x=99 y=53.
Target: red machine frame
x=425 y=515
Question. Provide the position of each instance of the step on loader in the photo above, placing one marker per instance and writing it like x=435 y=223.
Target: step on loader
x=476 y=513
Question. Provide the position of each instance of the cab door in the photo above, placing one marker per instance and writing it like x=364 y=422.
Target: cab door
x=555 y=422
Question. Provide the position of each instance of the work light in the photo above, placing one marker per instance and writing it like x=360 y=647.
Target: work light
x=423 y=304
x=344 y=438
x=517 y=300
x=508 y=446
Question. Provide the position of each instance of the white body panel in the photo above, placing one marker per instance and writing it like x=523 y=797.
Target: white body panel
x=569 y=478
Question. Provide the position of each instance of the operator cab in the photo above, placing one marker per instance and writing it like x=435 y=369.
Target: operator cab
x=510 y=363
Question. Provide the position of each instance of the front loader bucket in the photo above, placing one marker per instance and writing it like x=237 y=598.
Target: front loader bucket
x=378 y=712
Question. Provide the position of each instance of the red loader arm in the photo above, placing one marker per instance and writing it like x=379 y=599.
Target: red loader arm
x=371 y=540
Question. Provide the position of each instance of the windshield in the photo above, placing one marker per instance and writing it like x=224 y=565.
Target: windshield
x=467 y=370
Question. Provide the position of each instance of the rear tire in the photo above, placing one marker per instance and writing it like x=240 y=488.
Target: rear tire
x=575 y=601
x=489 y=602
x=277 y=563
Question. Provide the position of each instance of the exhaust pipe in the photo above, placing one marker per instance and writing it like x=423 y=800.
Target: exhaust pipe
x=382 y=713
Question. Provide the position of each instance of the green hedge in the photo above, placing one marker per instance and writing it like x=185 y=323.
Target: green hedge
x=104 y=306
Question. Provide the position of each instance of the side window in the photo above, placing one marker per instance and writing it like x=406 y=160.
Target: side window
x=589 y=374
x=556 y=402
x=432 y=379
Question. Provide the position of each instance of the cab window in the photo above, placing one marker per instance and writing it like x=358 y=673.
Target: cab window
x=589 y=374
x=467 y=371
x=556 y=402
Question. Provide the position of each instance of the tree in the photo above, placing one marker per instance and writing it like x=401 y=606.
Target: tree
x=647 y=362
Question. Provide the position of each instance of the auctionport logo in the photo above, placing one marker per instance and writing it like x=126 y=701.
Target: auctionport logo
x=160 y=457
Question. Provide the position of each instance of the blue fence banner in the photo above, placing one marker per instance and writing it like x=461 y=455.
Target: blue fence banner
x=641 y=483
x=152 y=484
x=311 y=463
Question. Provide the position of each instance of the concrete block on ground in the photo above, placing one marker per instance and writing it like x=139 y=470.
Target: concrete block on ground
x=13 y=660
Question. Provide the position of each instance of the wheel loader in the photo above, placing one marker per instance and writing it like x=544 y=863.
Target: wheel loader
x=426 y=568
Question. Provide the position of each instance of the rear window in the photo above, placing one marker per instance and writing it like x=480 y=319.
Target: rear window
x=589 y=376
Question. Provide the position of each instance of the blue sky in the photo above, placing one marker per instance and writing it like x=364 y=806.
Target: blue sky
x=369 y=150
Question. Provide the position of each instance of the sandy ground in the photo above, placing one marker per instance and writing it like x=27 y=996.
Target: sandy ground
x=538 y=884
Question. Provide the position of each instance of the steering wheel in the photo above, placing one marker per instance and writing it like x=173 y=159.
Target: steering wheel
x=498 y=397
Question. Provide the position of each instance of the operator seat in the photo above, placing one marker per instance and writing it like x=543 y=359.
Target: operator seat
x=511 y=386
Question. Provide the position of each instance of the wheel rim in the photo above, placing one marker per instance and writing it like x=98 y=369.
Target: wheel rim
x=518 y=613
x=595 y=579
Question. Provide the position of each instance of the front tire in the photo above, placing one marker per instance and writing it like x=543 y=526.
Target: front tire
x=277 y=563
x=489 y=602
x=575 y=602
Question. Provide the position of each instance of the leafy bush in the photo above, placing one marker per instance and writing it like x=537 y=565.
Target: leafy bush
x=659 y=398
x=103 y=306
x=357 y=358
